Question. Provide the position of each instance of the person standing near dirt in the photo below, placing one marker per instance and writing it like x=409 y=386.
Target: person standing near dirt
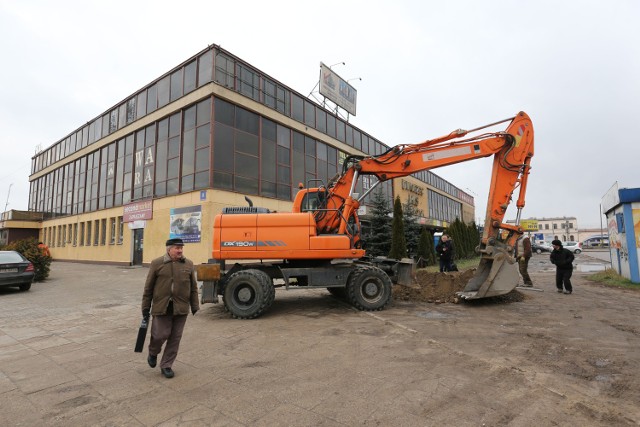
x=169 y=291
x=446 y=252
x=563 y=260
x=523 y=254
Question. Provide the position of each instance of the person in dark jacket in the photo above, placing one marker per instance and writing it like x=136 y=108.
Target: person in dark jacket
x=446 y=252
x=523 y=254
x=169 y=291
x=563 y=260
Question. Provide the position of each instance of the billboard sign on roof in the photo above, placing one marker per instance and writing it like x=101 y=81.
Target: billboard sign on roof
x=337 y=90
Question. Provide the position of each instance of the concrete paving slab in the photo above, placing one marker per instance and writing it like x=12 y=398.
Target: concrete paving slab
x=66 y=359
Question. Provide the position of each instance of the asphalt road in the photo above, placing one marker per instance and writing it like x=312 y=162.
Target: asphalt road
x=66 y=359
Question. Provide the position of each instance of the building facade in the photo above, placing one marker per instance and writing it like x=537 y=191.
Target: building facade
x=164 y=161
x=563 y=228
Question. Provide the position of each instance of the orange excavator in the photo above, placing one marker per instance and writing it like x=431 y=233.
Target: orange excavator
x=319 y=244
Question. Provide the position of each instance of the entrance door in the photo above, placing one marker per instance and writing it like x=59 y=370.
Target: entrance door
x=138 y=240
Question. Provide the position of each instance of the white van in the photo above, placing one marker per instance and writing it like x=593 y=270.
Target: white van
x=596 y=242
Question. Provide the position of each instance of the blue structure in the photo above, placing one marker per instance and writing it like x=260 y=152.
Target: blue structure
x=622 y=209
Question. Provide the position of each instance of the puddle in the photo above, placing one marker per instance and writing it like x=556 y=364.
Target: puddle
x=589 y=268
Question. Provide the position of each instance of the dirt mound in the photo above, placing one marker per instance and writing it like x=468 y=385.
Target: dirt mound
x=441 y=288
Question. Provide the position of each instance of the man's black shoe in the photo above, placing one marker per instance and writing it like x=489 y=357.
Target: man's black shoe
x=152 y=360
x=167 y=372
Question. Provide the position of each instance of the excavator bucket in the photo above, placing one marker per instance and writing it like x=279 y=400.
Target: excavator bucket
x=496 y=275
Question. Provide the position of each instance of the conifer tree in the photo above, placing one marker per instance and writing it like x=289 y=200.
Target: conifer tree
x=378 y=241
x=456 y=233
x=426 y=250
x=398 y=241
x=412 y=229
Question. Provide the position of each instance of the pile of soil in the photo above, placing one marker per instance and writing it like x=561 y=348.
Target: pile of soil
x=439 y=288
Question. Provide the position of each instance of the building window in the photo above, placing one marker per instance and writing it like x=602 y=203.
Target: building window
x=249 y=83
x=268 y=159
x=283 y=170
x=190 y=76
x=555 y=226
x=205 y=68
x=163 y=91
x=546 y=226
x=96 y=232
x=152 y=98
x=195 y=149
x=88 y=233
x=309 y=114
x=131 y=110
x=103 y=231
x=112 y=231
x=176 y=84
x=120 y=229
x=224 y=71
x=297 y=108
x=82 y=234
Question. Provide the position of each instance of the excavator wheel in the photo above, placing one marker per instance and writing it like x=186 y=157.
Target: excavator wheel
x=369 y=289
x=248 y=294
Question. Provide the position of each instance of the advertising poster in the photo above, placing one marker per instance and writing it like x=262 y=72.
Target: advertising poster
x=636 y=226
x=185 y=224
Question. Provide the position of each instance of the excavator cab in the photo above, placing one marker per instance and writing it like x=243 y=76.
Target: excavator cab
x=312 y=200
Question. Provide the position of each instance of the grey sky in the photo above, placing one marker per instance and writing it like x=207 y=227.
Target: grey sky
x=427 y=68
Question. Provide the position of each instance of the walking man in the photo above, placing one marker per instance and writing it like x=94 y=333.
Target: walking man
x=445 y=250
x=523 y=254
x=563 y=260
x=169 y=291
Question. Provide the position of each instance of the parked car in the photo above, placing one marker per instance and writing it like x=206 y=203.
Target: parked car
x=538 y=248
x=575 y=247
x=16 y=270
x=596 y=242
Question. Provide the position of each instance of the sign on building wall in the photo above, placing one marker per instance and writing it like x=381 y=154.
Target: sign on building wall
x=138 y=211
x=337 y=90
x=529 y=224
x=186 y=223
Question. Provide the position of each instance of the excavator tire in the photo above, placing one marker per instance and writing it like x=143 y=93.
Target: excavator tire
x=248 y=294
x=369 y=289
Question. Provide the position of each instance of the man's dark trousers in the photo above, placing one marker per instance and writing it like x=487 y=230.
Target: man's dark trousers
x=166 y=328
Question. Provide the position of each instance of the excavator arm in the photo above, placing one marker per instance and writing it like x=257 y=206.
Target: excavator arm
x=512 y=150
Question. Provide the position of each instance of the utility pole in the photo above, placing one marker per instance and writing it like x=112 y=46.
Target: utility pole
x=566 y=228
x=8 y=194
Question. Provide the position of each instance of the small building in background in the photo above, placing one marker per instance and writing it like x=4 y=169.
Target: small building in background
x=18 y=225
x=621 y=206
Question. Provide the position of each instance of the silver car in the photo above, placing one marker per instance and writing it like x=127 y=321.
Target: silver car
x=575 y=247
x=15 y=270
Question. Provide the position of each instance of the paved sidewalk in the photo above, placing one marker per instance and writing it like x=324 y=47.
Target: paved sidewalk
x=66 y=359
